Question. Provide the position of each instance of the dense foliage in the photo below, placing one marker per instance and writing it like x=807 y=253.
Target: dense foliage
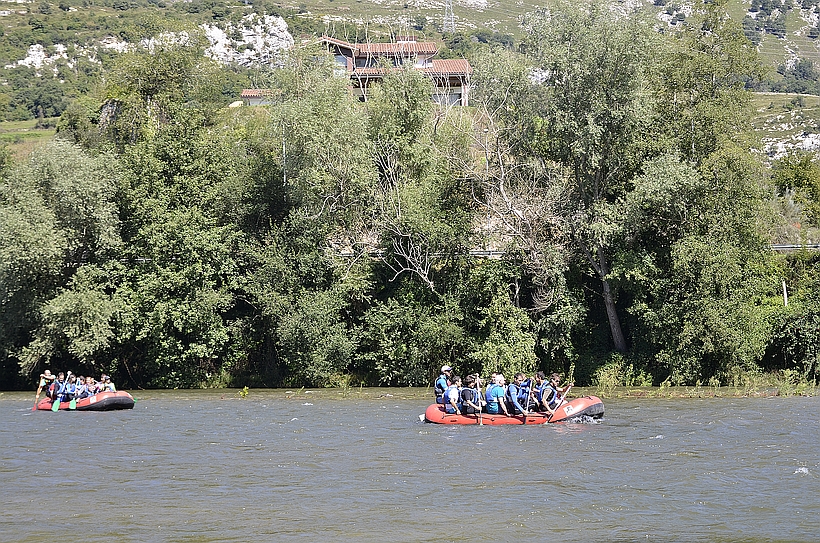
x=319 y=241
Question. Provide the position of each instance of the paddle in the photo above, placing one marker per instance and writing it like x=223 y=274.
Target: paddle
x=529 y=392
x=560 y=401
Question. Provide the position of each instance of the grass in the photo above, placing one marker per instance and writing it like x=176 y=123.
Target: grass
x=784 y=383
x=23 y=136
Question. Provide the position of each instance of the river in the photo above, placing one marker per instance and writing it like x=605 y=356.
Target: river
x=279 y=465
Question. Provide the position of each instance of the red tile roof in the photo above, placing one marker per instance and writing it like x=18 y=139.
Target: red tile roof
x=450 y=66
x=255 y=93
x=460 y=67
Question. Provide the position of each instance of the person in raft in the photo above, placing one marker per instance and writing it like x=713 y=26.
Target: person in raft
x=471 y=395
x=59 y=386
x=87 y=388
x=495 y=396
x=452 y=397
x=46 y=378
x=106 y=385
x=442 y=383
x=70 y=389
x=517 y=392
x=537 y=390
x=551 y=397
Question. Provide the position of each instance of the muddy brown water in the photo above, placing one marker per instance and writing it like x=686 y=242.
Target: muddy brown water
x=207 y=466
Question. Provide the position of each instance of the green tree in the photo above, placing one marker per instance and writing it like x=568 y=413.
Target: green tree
x=703 y=93
x=169 y=80
x=69 y=196
x=422 y=207
x=594 y=118
x=798 y=173
x=701 y=280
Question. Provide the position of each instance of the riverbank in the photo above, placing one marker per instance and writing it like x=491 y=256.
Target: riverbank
x=409 y=393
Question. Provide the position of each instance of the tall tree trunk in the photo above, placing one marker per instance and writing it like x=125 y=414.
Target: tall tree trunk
x=609 y=301
x=614 y=321
x=601 y=266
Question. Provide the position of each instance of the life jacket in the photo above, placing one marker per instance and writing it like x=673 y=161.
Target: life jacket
x=470 y=395
x=449 y=391
x=59 y=389
x=440 y=385
x=539 y=389
x=524 y=389
x=69 y=391
x=488 y=394
x=551 y=396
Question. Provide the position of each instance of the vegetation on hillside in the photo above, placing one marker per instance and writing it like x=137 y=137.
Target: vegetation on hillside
x=173 y=242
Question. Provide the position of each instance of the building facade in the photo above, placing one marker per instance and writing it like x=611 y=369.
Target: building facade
x=368 y=63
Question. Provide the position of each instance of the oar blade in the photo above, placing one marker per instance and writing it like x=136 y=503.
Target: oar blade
x=55 y=406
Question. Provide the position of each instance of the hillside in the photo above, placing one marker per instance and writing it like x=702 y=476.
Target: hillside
x=51 y=53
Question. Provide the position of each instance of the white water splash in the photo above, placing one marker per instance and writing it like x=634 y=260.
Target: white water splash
x=802 y=471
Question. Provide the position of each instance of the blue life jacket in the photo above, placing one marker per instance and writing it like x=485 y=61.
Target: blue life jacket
x=69 y=391
x=448 y=407
x=552 y=396
x=524 y=390
x=471 y=395
x=517 y=396
x=539 y=390
x=59 y=389
x=521 y=392
x=488 y=394
x=440 y=385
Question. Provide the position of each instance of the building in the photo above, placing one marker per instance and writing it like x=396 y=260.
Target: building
x=256 y=97
x=368 y=63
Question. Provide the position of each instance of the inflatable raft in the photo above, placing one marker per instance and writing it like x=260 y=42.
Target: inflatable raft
x=590 y=406
x=102 y=401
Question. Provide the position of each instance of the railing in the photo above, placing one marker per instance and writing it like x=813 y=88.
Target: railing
x=790 y=248
x=485 y=253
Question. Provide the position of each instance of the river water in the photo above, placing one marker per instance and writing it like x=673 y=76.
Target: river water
x=207 y=466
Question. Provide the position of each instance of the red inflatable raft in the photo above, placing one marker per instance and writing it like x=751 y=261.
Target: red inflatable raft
x=102 y=401
x=590 y=406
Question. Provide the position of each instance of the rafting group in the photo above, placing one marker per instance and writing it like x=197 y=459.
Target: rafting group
x=521 y=397
x=67 y=387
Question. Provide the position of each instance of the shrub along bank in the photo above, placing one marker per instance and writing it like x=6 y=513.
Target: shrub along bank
x=171 y=242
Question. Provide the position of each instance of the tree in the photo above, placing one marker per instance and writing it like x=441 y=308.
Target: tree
x=798 y=174
x=702 y=283
x=422 y=206
x=594 y=118
x=168 y=80
x=703 y=85
x=61 y=215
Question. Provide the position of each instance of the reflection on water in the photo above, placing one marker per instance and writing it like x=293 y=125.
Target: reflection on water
x=206 y=466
